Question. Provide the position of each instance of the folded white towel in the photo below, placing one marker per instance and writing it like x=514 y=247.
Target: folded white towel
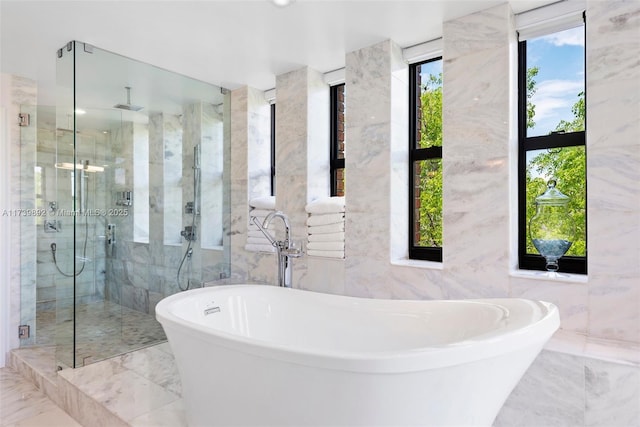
x=326 y=246
x=254 y=232
x=260 y=213
x=266 y=202
x=324 y=219
x=328 y=237
x=326 y=205
x=259 y=248
x=252 y=226
x=258 y=241
x=326 y=254
x=323 y=229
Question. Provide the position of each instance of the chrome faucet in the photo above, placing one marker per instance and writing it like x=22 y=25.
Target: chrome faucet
x=284 y=248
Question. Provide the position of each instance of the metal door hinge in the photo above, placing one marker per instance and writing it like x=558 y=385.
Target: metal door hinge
x=24 y=119
x=24 y=332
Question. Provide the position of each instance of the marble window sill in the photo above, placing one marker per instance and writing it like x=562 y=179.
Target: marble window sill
x=549 y=277
x=406 y=262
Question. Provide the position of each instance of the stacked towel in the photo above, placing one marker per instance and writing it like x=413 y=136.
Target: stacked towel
x=326 y=205
x=266 y=202
x=259 y=207
x=325 y=227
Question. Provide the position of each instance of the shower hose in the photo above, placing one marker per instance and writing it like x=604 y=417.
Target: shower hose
x=84 y=253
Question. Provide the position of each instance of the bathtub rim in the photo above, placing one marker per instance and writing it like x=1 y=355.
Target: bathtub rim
x=419 y=359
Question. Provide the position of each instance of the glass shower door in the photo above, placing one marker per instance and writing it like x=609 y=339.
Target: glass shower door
x=128 y=174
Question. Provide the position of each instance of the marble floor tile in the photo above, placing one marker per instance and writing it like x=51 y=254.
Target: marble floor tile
x=128 y=395
x=55 y=417
x=22 y=404
x=41 y=359
x=143 y=385
x=156 y=365
x=171 y=415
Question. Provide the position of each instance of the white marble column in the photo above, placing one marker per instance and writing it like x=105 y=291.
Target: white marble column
x=376 y=127
x=475 y=153
x=191 y=136
x=249 y=153
x=164 y=132
x=302 y=150
x=613 y=169
x=302 y=142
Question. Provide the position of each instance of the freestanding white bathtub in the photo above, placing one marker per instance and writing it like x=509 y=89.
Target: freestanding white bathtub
x=260 y=355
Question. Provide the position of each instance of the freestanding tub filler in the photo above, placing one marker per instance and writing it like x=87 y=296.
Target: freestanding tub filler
x=261 y=355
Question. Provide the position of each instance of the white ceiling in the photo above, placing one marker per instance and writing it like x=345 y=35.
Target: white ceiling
x=229 y=43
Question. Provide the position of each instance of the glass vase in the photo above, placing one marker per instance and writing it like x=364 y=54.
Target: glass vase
x=551 y=229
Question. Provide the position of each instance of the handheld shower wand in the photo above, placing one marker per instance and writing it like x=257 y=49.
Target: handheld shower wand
x=189 y=232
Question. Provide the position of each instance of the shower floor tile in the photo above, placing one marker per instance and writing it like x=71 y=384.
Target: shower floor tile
x=126 y=377
x=103 y=329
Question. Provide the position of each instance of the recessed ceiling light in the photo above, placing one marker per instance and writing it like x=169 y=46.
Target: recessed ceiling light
x=80 y=111
x=281 y=3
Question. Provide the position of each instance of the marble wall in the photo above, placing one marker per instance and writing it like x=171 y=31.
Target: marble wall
x=613 y=162
x=596 y=350
x=141 y=272
x=18 y=95
x=55 y=186
x=25 y=92
x=5 y=227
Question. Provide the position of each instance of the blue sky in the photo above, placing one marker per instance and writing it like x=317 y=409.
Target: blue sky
x=433 y=67
x=560 y=59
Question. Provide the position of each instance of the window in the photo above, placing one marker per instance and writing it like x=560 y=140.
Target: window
x=336 y=163
x=551 y=127
x=425 y=160
x=273 y=149
x=140 y=135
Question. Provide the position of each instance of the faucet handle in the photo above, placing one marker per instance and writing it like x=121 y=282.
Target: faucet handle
x=268 y=235
x=295 y=249
x=293 y=253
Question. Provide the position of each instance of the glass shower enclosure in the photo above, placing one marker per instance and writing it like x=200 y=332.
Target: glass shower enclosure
x=134 y=180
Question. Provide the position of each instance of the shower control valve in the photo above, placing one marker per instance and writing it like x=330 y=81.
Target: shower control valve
x=111 y=234
x=188 y=209
x=52 y=226
x=189 y=233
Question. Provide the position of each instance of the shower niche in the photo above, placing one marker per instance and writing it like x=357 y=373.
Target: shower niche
x=115 y=160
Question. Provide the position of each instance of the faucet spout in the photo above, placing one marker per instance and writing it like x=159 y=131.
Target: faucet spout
x=284 y=248
x=285 y=220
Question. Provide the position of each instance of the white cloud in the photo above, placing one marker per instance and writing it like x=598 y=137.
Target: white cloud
x=553 y=101
x=571 y=37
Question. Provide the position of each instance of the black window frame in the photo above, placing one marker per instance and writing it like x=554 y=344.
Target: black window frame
x=335 y=163
x=418 y=154
x=567 y=264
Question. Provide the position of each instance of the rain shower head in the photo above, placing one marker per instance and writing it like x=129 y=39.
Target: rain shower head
x=128 y=106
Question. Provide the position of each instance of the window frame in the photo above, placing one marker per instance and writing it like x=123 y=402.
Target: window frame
x=335 y=163
x=417 y=154
x=568 y=264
